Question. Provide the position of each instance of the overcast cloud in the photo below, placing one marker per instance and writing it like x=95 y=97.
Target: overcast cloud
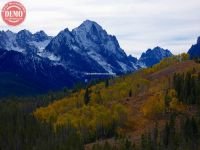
x=138 y=24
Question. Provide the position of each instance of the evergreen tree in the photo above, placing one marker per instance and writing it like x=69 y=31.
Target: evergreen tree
x=130 y=93
x=166 y=135
x=155 y=136
x=106 y=83
x=87 y=96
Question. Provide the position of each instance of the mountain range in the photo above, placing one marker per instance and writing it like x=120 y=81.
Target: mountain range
x=36 y=63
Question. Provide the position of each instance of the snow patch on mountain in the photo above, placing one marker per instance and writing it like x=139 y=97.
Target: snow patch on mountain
x=40 y=45
x=50 y=56
x=124 y=67
x=100 y=60
x=141 y=64
x=87 y=48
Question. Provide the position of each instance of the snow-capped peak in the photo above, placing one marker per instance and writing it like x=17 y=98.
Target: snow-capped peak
x=86 y=48
x=41 y=32
x=64 y=34
x=24 y=41
x=24 y=34
x=88 y=25
x=10 y=33
x=40 y=36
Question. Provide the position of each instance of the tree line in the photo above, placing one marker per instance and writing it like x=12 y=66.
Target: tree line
x=187 y=86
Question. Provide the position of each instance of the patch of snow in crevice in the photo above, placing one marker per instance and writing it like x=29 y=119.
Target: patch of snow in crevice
x=134 y=66
x=98 y=58
x=11 y=46
x=41 y=50
x=111 y=47
x=40 y=45
x=141 y=64
x=53 y=57
x=11 y=43
x=18 y=49
x=76 y=49
x=124 y=67
x=50 y=56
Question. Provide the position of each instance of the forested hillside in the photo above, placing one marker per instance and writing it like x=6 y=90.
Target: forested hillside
x=152 y=109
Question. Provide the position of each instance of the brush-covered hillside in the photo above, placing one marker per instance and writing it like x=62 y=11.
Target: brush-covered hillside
x=154 y=108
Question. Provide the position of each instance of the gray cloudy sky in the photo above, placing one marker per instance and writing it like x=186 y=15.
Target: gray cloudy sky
x=138 y=24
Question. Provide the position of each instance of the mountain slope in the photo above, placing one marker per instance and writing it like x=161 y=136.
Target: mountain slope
x=194 y=51
x=89 y=48
x=133 y=103
x=154 y=56
x=24 y=41
x=38 y=74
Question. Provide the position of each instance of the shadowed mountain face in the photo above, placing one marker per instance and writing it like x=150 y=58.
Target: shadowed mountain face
x=40 y=63
x=30 y=74
x=154 y=56
x=194 y=51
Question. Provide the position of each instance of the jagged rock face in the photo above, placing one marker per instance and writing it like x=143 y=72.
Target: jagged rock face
x=23 y=37
x=132 y=59
x=3 y=41
x=24 y=41
x=40 y=36
x=198 y=40
x=61 y=61
x=96 y=50
x=154 y=56
x=194 y=51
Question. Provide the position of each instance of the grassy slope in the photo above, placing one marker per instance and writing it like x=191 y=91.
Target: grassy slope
x=158 y=81
x=144 y=84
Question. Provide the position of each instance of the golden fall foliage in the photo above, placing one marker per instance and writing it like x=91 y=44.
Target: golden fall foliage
x=101 y=112
x=106 y=107
x=174 y=104
x=154 y=106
